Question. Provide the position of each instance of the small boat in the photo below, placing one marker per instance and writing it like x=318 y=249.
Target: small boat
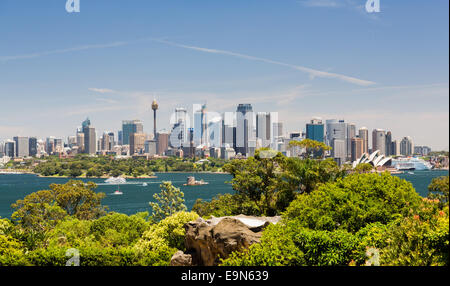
x=411 y=173
x=117 y=192
x=144 y=184
x=116 y=180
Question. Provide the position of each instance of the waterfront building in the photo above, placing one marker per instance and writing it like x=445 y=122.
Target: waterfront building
x=395 y=148
x=32 y=146
x=9 y=148
x=22 y=146
x=364 y=135
x=422 y=150
x=406 y=146
x=379 y=141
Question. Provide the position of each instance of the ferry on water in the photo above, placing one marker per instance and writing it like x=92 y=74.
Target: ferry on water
x=411 y=163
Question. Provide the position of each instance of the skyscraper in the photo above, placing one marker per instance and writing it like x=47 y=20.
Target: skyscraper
x=264 y=128
x=244 y=128
x=80 y=141
x=179 y=133
x=406 y=146
x=389 y=143
x=137 y=143
x=337 y=130
x=357 y=148
x=162 y=142
x=104 y=145
x=379 y=141
x=339 y=150
x=32 y=145
x=315 y=130
x=351 y=133
x=204 y=127
x=395 y=148
x=364 y=135
x=22 y=146
x=9 y=148
x=90 y=140
x=228 y=129
x=129 y=127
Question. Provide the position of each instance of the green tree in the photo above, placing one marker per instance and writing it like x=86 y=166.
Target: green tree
x=169 y=201
x=363 y=168
x=40 y=209
x=439 y=189
x=313 y=148
x=259 y=178
x=355 y=201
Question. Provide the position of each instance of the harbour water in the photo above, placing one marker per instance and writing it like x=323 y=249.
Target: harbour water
x=136 y=195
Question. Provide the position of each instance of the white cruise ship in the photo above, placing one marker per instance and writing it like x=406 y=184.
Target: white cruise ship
x=412 y=163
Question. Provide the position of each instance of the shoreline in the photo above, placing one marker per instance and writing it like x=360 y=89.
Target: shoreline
x=20 y=172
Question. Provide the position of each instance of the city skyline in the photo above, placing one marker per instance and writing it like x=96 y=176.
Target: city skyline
x=249 y=129
x=57 y=72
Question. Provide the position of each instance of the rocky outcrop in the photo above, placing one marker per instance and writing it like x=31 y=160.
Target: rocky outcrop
x=207 y=241
x=181 y=259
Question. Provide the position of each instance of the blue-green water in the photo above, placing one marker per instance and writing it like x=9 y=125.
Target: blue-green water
x=136 y=197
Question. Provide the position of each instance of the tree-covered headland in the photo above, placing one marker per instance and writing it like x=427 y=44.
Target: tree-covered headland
x=85 y=166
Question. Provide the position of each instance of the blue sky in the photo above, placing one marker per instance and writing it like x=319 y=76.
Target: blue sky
x=301 y=58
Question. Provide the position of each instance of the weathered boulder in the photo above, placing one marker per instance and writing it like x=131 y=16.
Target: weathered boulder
x=207 y=241
x=181 y=259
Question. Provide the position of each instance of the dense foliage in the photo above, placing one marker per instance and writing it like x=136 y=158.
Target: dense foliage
x=98 y=166
x=363 y=219
x=51 y=226
x=330 y=216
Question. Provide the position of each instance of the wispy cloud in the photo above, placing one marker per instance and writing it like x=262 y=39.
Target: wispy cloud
x=320 y=3
x=101 y=90
x=62 y=51
x=312 y=72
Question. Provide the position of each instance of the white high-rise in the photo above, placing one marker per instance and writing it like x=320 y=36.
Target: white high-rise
x=379 y=141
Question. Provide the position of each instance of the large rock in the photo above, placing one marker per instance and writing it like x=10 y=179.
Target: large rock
x=207 y=241
x=181 y=259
